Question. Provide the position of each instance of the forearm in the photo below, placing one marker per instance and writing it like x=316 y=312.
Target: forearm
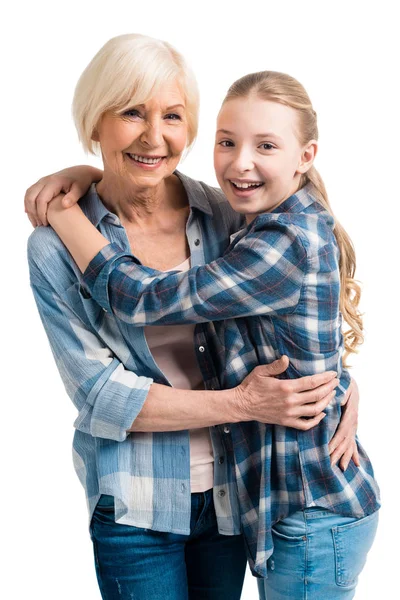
x=78 y=234
x=170 y=409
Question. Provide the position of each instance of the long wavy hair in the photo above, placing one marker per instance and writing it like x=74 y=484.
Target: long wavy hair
x=279 y=87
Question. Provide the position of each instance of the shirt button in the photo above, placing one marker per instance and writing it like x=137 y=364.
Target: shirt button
x=201 y=349
x=227 y=429
x=221 y=460
x=221 y=493
x=197 y=242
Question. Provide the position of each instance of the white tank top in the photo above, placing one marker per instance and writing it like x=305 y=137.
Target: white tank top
x=172 y=347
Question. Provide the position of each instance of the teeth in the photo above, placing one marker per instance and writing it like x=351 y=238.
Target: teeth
x=148 y=161
x=244 y=186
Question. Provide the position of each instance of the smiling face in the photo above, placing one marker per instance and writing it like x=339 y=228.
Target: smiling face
x=258 y=158
x=143 y=145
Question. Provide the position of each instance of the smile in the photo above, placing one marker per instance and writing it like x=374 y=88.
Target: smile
x=245 y=189
x=246 y=185
x=147 y=160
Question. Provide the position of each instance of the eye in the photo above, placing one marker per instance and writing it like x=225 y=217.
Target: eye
x=173 y=117
x=226 y=144
x=132 y=112
x=266 y=146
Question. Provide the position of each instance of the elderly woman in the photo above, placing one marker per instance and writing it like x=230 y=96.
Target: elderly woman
x=151 y=447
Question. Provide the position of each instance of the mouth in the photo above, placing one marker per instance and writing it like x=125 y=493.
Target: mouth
x=243 y=189
x=146 y=162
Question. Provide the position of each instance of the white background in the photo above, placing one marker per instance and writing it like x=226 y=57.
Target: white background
x=345 y=55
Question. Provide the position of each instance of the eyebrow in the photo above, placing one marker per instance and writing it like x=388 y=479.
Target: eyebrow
x=168 y=107
x=176 y=106
x=259 y=135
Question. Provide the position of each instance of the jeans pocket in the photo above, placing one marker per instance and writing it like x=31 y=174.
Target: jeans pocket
x=352 y=543
x=105 y=504
x=294 y=539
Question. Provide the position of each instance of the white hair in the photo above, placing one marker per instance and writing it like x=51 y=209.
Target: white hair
x=127 y=71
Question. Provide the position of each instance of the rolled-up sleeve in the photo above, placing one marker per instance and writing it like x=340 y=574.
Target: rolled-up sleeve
x=107 y=395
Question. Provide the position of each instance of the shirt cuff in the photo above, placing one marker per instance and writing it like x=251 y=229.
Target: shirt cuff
x=95 y=278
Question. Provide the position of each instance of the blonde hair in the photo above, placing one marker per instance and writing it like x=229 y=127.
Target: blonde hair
x=279 y=87
x=128 y=70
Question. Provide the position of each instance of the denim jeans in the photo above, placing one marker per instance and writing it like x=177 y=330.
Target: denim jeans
x=143 y=564
x=318 y=555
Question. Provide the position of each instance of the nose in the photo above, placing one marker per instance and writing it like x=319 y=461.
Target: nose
x=152 y=134
x=242 y=160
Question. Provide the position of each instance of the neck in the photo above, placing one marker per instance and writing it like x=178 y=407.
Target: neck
x=141 y=204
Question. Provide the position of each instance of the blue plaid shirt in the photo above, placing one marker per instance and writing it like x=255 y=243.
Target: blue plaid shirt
x=108 y=375
x=282 y=270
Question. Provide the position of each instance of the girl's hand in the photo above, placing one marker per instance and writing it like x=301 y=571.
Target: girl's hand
x=343 y=445
x=74 y=182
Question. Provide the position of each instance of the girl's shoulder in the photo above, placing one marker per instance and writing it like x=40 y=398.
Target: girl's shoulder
x=313 y=226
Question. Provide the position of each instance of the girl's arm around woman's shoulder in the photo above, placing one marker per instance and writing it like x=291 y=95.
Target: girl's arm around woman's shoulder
x=261 y=273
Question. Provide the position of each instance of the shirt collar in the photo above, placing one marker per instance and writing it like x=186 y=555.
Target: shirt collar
x=94 y=209
x=195 y=192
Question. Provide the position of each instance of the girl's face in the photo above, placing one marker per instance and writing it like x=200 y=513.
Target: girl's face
x=144 y=145
x=258 y=159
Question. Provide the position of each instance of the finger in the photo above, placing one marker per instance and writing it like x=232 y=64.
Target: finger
x=312 y=410
x=344 y=461
x=47 y=194
x=30 y=200
x=315 y=395
x=33 y=221
x=72 y=196
x=356 y=456
x=275 y=368
x=310 y=382
x=306 y=424
x=338 y=438
x=340 y=450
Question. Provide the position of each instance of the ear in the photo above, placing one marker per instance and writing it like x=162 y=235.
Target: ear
x=95 y=135
x=307 y=157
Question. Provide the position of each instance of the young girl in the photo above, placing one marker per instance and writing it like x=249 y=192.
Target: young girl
x=278 y=289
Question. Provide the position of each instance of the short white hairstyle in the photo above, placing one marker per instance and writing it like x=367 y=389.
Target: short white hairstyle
x=127 y=71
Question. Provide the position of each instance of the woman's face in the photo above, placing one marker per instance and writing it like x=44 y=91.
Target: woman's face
x=144 y=144
x=258 y=159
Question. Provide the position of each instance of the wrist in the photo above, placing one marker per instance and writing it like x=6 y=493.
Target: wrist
x=239 y=408
x=56 y=212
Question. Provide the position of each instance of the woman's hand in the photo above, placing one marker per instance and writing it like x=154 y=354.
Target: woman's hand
x=74 y=182
x=262 y=397
x=343 y=445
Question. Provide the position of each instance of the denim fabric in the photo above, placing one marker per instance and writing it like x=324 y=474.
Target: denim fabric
x=132 y=562
x=317 y=555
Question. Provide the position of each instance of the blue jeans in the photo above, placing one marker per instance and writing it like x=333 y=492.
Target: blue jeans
x=317 y=555
x=132 y=562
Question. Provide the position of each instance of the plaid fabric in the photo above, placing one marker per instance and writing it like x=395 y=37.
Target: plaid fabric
x=282 y=271
x=108 y=374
